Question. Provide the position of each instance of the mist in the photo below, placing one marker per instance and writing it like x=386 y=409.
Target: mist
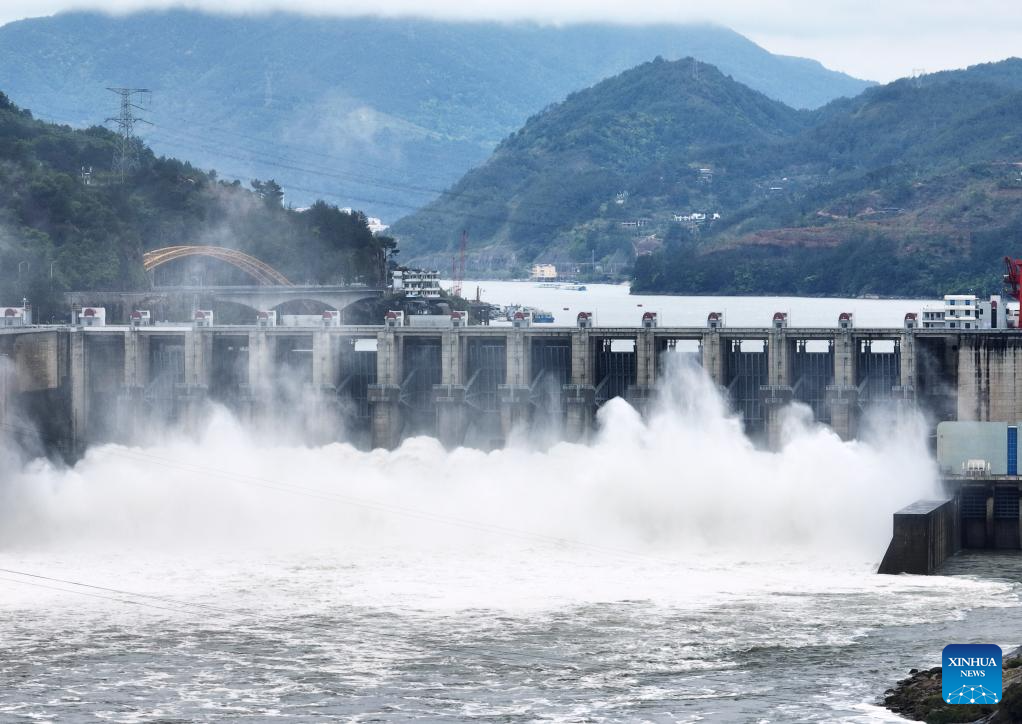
x=913 y=34
x=684 y=483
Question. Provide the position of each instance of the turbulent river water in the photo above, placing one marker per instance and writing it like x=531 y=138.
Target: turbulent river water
x=667 y=571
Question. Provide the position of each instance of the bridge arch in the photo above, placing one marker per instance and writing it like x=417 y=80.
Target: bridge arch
x=258 y=270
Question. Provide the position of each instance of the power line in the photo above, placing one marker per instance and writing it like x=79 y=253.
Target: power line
x=139 y=599
x=183 y=139
x=348 y=197
x=317 y=154
x=118 y=599
x=106 y=589
x=291 y=164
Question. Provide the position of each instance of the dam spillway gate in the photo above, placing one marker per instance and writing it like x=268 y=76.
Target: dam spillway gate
x=474 y=385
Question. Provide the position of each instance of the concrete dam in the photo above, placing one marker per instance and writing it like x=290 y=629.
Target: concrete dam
x=474 y=384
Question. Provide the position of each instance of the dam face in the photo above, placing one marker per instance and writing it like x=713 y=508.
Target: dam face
x=474 y=384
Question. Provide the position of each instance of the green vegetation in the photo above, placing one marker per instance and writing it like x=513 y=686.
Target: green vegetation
x=910 y=188
x=369 y=112
x=61 y=230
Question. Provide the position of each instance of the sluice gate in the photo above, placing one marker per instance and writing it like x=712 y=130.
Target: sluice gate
x=476 y=384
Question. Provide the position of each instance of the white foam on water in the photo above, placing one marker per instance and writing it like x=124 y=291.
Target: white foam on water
x=674 y=524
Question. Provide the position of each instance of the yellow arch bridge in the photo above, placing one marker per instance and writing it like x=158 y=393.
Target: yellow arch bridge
x=258 y=270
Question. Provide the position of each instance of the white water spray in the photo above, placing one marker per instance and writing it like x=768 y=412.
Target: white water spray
x=686 y=482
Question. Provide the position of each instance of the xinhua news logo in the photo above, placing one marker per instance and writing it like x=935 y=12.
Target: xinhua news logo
x=971 y=674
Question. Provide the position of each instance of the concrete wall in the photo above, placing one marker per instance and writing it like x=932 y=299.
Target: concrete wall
x=990 y=377
x=926 y=534
x=35 y=360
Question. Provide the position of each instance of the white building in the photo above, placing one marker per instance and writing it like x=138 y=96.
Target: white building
x=696 y=217
x=543 y=272
x=933 y=317
x=966 y=311
x=417 y=283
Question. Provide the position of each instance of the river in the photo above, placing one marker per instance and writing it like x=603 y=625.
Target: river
x=612 y=305
x=668 y=571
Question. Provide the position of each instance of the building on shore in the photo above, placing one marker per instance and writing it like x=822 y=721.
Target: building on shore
x=543 y=273
x=967 y=311
x=417 y=283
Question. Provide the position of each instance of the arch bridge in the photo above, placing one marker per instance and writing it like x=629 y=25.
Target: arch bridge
x=258 y=270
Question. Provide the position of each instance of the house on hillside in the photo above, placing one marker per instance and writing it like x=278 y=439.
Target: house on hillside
x=647 y=245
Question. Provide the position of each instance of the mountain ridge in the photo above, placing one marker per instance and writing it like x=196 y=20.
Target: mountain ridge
x=930 y=167
x=381 y=113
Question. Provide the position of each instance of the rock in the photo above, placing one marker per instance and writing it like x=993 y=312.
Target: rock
x=919 y=697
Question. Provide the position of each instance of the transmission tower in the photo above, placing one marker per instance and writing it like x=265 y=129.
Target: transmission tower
x=126 y=155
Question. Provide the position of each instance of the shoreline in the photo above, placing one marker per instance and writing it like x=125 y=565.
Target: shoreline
x=641 y=293
x=918 y=697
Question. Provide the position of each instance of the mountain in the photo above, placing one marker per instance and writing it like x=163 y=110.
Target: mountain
x=572 y=172
x=909 y=188
x=381 y=114
x=69 y=222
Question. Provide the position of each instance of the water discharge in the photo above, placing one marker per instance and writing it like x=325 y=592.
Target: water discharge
x=667 y=570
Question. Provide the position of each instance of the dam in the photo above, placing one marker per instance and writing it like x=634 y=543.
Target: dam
x=473 y=384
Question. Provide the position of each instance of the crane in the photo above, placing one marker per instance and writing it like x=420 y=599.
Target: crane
x=1013 y=278
x=458 y=266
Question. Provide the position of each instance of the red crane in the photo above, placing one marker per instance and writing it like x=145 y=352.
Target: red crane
x=1013 y=278
x=458 y=267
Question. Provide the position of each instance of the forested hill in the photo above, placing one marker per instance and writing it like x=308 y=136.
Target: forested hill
x=575 y=168
x=909 y=188
x=374 y=113
x=64 y=229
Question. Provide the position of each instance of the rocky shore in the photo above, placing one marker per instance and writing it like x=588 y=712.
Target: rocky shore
x=919 y=698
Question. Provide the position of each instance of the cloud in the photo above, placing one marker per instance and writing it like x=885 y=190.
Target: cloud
x=870 y=39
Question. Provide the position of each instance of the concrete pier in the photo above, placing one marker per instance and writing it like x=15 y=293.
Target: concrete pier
x=385 y=395
x=79 y=391
x=325 y=362
x=926 y=534
x=451 y=418
x=514 y=408
x=579 y=408
x=6 y=393
x=712 y=358
x=777 y=393
x=843 y=394
x=386 y=424
x=260 y=367
x=581 y=358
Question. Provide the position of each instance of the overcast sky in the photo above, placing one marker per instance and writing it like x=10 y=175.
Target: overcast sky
x=867 y=38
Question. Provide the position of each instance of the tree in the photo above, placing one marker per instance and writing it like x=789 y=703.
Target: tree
x=269 y=191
